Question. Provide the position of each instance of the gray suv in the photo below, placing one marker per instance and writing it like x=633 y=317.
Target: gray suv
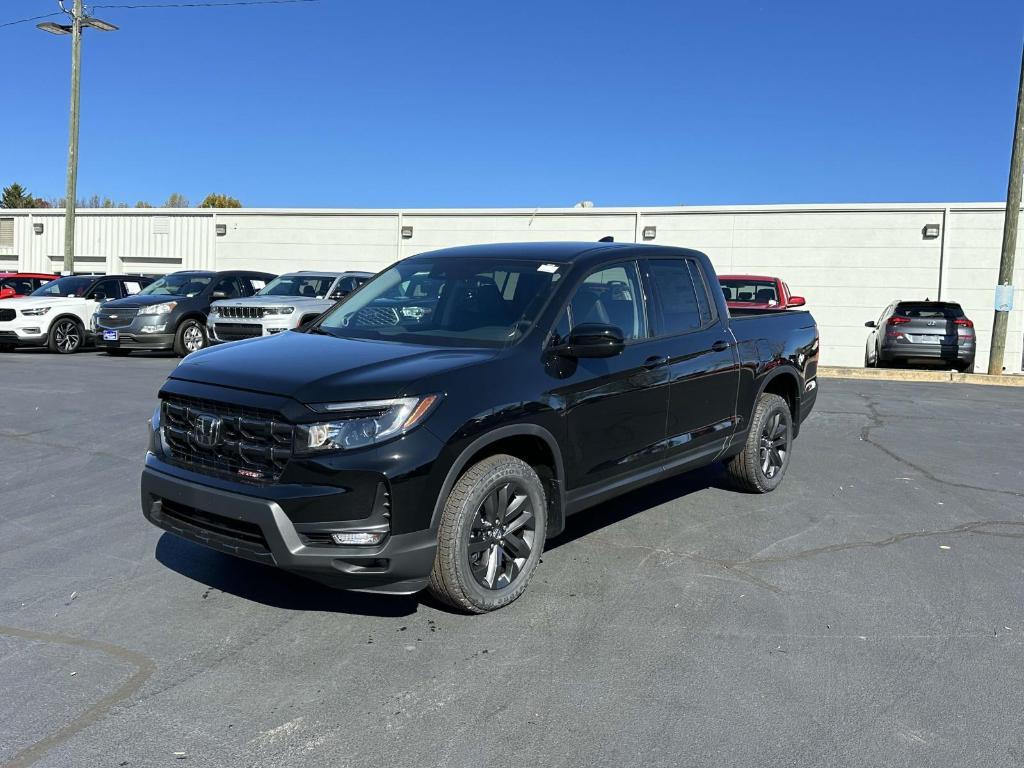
x=911 y=331
x=286 y=303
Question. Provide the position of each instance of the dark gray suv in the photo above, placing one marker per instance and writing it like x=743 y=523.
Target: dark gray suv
x=171 y=313
x=927 y=331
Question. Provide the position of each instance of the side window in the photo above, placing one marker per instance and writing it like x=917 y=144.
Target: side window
x=707 y=312
x=131 y=287
x=675 y=296
x=228 y=286
x=611 y=295
x=108 y=289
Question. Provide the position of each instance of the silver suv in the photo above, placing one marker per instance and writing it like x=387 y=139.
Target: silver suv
x=285 y=303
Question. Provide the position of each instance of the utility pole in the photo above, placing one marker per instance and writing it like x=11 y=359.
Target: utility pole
x=72 y=189
x=78 y=20
x=1004 y=303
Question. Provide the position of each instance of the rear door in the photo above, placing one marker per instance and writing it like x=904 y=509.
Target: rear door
x=703 y=361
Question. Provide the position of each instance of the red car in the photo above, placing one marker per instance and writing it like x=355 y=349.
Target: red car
x=758 y=292
x=14 y=285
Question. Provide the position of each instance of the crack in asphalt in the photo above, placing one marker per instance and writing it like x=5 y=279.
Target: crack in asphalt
x=144 y=667
x=876 y=421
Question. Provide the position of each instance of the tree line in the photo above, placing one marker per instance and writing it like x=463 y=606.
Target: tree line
x=16 y=196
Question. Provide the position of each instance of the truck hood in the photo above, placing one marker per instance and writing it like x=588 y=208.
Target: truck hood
x=27 y=302
x=312 y=368
x=269 y=301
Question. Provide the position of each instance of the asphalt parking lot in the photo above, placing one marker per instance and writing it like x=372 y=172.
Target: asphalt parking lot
x=868 y=613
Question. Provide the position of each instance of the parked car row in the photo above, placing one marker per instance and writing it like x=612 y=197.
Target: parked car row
x=181 y=311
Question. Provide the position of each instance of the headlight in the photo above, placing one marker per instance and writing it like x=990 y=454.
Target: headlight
x=275 y=311
x=35 y=312
x=361 y=424
x=214 y=310
x=159 y=309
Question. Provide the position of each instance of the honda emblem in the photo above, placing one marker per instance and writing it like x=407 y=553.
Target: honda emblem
x=206 y=432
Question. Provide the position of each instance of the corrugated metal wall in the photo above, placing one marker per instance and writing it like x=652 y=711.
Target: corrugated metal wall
x=848 y=261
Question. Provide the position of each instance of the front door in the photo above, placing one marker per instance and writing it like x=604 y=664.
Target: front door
x=615 y=406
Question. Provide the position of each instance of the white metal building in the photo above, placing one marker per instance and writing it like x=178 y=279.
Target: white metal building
x=849 y=261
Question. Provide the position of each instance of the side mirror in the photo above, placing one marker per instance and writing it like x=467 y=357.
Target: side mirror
x=796 y=301
x=6 y=293
x=99 y=296
x=338 y=295
x=593 y=340
x=870 y=324
x=219 y=295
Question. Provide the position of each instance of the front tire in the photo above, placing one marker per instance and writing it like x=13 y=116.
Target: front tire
x=191 y=337
x=491 y=535
x=761 y=465
x=66 y=336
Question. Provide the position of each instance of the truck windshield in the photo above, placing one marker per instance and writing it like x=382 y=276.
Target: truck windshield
x=177 y=285
x=448 y=302
x=311 y=286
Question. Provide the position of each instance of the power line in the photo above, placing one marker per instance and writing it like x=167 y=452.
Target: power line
x=228 y=3
x=31 y=18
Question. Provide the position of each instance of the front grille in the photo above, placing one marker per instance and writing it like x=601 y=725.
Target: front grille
x=236 y=331
x=120 y=318
x=248 y=445
x=241 y=313
x=7 y=314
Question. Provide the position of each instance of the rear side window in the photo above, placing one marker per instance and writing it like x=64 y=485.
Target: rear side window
x=701 y=287
x=928 y=309
x=676 y=296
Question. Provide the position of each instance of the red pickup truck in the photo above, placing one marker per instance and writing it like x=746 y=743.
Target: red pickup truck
x=758 y=292
x=14 y=285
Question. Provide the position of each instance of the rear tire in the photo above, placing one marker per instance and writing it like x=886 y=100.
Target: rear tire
x=191 y=337
x=491 y=535
x=761 y=465
x=965 y=367
x=66 y=336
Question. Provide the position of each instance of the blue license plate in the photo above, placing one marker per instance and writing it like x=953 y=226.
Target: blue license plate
x=110 y=335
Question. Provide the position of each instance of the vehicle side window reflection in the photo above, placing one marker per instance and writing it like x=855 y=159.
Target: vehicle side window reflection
x=611 y=295
x=677 y=298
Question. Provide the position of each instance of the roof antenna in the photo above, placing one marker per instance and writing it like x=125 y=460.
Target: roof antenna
x=607 y=239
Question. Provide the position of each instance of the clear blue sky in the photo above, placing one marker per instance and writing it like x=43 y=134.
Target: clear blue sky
x=383 y=104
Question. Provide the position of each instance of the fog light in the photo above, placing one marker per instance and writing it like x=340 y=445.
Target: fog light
x=28 y=331
x=358 y=537
x=153 y=328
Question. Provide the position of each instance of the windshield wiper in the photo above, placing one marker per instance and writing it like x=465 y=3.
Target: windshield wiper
x=320 y=332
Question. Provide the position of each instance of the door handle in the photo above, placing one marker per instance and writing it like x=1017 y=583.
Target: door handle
x=655 y=362
x=720 y=346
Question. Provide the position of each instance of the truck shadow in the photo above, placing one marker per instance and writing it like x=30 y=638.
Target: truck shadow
x=622 y=507
x=270 y=586
x=279 y=589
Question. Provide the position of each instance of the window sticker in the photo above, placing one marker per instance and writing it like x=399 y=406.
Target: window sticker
x=132 y=287
x=258 y=285
x=547 y=268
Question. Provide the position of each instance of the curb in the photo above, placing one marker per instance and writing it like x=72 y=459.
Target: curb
x=902 y=374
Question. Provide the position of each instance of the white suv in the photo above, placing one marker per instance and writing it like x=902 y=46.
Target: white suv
x=286 y=303
x=59 y=313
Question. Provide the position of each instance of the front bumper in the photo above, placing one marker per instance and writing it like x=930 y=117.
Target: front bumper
x=131 y=340
x=260 y=530
x=9 y=334
x=241 y=329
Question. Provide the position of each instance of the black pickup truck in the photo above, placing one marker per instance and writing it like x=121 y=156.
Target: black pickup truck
x=438 y=425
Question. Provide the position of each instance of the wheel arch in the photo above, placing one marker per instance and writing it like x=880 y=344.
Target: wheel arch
x=785 y=383
x=529 y=442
